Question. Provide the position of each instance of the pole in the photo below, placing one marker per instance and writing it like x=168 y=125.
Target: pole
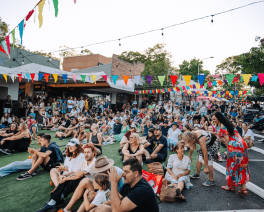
x=198 y=68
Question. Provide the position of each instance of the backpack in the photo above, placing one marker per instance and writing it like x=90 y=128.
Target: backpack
x=60 y=158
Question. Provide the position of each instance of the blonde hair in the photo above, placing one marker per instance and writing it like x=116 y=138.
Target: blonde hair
x=136 y=136
x=190 y=138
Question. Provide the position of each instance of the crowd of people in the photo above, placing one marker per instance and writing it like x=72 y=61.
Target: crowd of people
x=145 y=135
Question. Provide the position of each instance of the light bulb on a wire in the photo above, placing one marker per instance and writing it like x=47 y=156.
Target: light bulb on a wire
x=212 y=21
x=162 y=32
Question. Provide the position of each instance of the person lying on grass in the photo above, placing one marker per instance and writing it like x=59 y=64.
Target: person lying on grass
x=47 y=157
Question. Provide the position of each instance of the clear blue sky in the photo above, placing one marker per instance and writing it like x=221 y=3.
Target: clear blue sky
x=89 y=22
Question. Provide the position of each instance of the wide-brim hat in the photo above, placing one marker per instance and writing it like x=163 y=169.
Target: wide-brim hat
x=101 y=164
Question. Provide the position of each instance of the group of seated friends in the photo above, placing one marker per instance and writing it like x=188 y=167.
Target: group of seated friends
x=83 y=170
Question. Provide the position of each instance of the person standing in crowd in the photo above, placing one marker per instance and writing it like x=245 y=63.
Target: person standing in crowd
x=214 y=107
x=156 y=149
x=237 y=171
x=8 y=105
x=81 y=104
x=223 y=108
x=195 y=104
x=70 y=104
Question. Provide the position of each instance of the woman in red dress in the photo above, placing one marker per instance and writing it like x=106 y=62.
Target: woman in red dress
x=237 y=166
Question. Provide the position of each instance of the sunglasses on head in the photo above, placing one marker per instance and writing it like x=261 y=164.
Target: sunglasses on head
x=131 y=137
x=73 y=142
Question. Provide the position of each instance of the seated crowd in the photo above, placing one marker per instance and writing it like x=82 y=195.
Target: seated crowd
x=145 y=136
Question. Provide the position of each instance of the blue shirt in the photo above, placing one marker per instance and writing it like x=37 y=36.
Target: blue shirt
x=106 y=105
x=33 y=114
x=121 y=182
x=234 y=114
x=165 y=130
x=257 y=119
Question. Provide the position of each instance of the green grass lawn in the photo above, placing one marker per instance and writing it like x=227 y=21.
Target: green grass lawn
x=31 y=194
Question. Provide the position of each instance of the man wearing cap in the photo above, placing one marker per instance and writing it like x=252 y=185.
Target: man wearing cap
x=101 y=165
x=70 y=182
x=156 y=148
x=117 y=127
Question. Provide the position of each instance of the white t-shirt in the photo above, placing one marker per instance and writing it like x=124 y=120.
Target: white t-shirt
x=174 y=135
x=84 y=167
x=184 y=120
x=70 y=106
x=197 y=126
x=74 y=163
x=111 y=124
x=249 y=133
x=73 y=113
x=101 y=197
x=81 y=104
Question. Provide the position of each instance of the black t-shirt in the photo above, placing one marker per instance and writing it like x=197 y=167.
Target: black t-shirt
x=141 y=195
x=223 y=108
x=117 y=128
x=68 y=123
x=53 y=155
x=165 y=130
x=155 y=143
x=214 y=107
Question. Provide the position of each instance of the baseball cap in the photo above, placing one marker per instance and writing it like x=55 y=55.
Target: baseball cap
x=73 y=142
x=166 y=122
x=157 y=128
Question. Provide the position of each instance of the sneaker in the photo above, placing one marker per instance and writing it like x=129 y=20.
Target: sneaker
x=209 y=183
x=5 y=151
x=47 y=207
x=63 y=138
x=24 y=176
x=61 y=210
x=34 y=173
x=195 y=176
x=220 y=159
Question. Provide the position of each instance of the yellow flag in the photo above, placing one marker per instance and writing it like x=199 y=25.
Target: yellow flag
x=55 y=77
x=198 y=86
x=240 y=92
x=187 y=79
x=94 y=78
x=5 y=76
x=40 y=16
x=246 y=78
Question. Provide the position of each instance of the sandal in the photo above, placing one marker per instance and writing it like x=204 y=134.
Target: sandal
x=226 y=188
x=243 y=192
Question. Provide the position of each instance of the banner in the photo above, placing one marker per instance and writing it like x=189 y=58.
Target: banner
x=105 y=77
x=40 y=16
x=187 y=79
x=137 y=78
x=261 y=79
x=46 y=77
x=201 y=79
x=161 y=79
x=83 y=78
x=230 y=78
x=246 y=78
x=173 y=79
x=114 y=77
x=149 y=79
x=56 y=8
x=21 y=30
x=125 y=79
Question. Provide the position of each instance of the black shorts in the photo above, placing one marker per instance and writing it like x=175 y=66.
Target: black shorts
x=160 y=157
x=50 y=165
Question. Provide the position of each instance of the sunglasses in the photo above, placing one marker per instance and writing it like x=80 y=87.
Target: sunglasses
x=73 y=142
x=131 y=137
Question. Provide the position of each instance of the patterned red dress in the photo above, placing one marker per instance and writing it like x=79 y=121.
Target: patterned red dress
x=237 y=166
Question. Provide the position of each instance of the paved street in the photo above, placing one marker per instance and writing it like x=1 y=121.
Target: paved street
x=201 y=198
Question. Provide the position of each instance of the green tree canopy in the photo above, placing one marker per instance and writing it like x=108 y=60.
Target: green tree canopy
x=3 y=30
x=191 y=67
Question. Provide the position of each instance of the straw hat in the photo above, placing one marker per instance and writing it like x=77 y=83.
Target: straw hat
x=101 y=164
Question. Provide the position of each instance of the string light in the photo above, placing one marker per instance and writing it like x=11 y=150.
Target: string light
x=119 y=42
x=212 y=21
x=162 y=32
x=82 y=50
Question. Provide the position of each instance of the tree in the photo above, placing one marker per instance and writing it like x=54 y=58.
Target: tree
x=191 y=68
x=157 y=62
x=3 y=30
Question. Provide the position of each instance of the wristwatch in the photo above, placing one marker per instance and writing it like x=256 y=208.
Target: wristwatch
x=205 y=166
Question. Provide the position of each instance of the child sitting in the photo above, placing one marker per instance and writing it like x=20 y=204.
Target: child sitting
x=196 y=124
x=93 y=199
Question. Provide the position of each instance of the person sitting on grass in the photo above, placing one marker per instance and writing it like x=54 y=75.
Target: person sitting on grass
x=82 y=136
x=178 y=168
x=101 y=165
x=93 y=199
x=133 y=149
x=135 y=195
x=8 y=133
x=156 y=148
x=47 y=157
x=34 y=130
x=74 y=157
x=54 y=122
x=109 y=127
x=70 y=131
x=70 y=181
x=96 y=139
x=125 y=138
x=66 y=124
x=19 y=142
x=18 y=166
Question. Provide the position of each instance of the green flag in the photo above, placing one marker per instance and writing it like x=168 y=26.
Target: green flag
x=161 y=79
x=230 y=78
x=205 y=85
x=83 y=78
x=13 y=35
x=56 y=3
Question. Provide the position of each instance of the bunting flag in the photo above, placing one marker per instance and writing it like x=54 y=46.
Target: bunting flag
x=161 y=79
x=2 y=50
x=46 y=77
x=235 y=79
x=149 y=79
x=187 y=79
x=209 y=84
x=13 y=36
x=225 y=81
x=55 y=76
x=74 y=77
x=230 y=78
x=21 y=30
x=114 y=77
x=93 y=78
x=32 y=77
x=75 y=1
x=125 y=79
x=137 y=78
x=56 y=3
x=216 y=76
x=19 y=77
x=64 y=77
x=12 y=77
x=83 y=78
x=5 y=48
x=173 y=79
x=261 y=79
x=201 y=79
x=220 y=82
x=246 y=78
x=194 y=86
x=214 y=83
x=27 y=76
x=206 y=85
x=40 y=16
x=8 y=43
x=5 y=76
x=254 y=78
x=105 y=77
x=40 y=75
x=29 y=14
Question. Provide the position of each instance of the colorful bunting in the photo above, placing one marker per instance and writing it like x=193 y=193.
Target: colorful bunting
x=5 y=76
x=8 y=43
x=149 y=79
x=173 y=79
x=114 y=77
x=21 y=30
x=19 y=77
x=13 y=36
x=55 y=76
x=93 y=78
x=161 y=79
x=254 y=78
x=201 y=78
x=29 y=15
x=32 y=77
x=2 y=50
x=105 y=77
x=137 y=78
x=27 y=76
x=125 y=79
x=230 y=78
x=261 y=79
x=5 y=48
x=246 y=78
x=40 y=16
x=187 y=79
x=220 y=82
x=83 y=78
x=56 y=3
x=64 y=77
x=40 y=75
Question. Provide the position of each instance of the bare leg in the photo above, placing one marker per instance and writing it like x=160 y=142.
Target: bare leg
x=54 y=175
x=103 y=208
x=98 y=152
x=37 y=164
x=58 y=134
x=67 y=134
x=81 y=208
x=198 y=167
x=211 y=172
x=34 y=132
x=79 y=191
x=105 y=130
x=139 y=157
x=34 y=159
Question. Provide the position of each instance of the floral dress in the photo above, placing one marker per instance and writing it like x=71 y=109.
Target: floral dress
x=178 y=166
x=121 y=135
x=237 y=166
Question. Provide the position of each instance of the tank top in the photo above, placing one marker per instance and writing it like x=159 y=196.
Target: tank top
x=8 y=104
x=130 y=150
x=94 y=139
x=187 y=108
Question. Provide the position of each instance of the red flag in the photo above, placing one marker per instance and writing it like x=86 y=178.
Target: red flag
x=20 y=77
x=8 y=43
x=32 y=77
x=234 y=80
x=2 y=50
x=29 y=15
x=46 y=77
x=105 y=77
x=173 y=79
